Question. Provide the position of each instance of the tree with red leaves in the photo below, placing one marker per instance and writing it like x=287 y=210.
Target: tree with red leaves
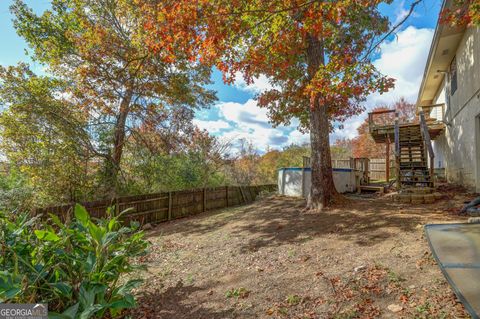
x=364 y=145
x=462 y=13
x=316 y=54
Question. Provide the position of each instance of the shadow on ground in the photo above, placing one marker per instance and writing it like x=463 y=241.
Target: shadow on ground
x=278 y=220
x=170 y=303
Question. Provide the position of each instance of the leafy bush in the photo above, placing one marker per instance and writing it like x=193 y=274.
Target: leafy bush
x=76 y=267
x=15 y=193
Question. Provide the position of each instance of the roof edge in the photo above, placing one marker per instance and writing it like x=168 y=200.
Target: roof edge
x=433 y=47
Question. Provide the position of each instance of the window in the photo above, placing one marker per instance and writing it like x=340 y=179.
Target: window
x=453 y=76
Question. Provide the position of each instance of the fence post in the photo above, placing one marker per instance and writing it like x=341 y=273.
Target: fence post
x=226 y=195
x=303 y=181
x=243 y=194
x=117 y=207
x=169 y=205
x=204 y=200
x=367 y=169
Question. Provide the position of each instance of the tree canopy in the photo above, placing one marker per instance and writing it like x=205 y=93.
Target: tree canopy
x=462 y=13
x=123 y=91
x=316 y=54
x=253 y=38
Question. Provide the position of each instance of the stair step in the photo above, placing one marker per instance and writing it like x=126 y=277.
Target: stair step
x=403 y=177
x=414 y=162
x=415 y=182
x=414 y=173
x=415 y=178
x=418 y=166
x=408 y=155
x=413 y=158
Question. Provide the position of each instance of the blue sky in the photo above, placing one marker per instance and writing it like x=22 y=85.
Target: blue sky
x=236 y=115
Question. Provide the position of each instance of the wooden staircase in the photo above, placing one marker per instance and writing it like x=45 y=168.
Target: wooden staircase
x=413 y=164
x=414 y=156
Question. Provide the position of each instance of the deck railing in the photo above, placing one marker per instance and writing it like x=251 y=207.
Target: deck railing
x=428 y=143
x=386 y=117
x=435 y=112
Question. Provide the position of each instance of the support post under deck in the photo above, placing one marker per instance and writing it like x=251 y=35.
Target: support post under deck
x=397 y=150
x=387 y=160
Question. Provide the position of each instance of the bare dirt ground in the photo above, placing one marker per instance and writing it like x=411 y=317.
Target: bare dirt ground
x=366 y=258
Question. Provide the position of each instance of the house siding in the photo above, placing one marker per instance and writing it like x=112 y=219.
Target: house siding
x=458 y=148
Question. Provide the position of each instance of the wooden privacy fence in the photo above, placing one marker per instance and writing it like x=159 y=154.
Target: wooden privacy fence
x=159 y=207
x=373 y=168
x=342 y=163
x=378 y=169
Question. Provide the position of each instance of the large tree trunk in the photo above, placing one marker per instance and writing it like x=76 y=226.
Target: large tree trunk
x=118 y=143
x=323 y=190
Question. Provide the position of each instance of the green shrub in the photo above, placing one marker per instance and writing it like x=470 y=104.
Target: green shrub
x=76 y=267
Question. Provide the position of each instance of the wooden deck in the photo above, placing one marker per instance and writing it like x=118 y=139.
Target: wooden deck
x=381 y=133
x=412 y=139
x=372 y=188
x=382 y=126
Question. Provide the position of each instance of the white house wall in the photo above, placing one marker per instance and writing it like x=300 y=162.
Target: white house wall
x=458 y=149
x=440 y=143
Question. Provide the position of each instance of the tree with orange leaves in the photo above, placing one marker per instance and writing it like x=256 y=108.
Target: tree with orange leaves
x=364 y=145
x=462 y=13
x=316 y=54
x=124 y=90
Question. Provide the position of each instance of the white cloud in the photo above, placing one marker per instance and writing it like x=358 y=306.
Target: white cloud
x=250 y=122
x=403 y=59
x=259 y=84
x=245 y=115
x=401 y=13
x=296 y=137
x=349 y=129
x=212 y=126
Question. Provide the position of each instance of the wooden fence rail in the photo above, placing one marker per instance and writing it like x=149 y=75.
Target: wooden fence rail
x=378 y=167
x=373 y=168
x=160 y=207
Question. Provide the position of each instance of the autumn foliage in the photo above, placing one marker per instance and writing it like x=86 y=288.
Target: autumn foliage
x=462 y=13
x=316 y=55
x=271 y=38
x=364 y=145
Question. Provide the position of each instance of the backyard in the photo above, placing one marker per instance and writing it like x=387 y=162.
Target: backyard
x=364 y=258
